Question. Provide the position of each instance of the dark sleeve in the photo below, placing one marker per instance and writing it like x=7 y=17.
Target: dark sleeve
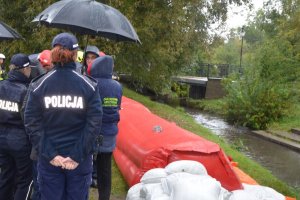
x=121 y=93
x=22 y=110
x=91 y=130
x=33 y=120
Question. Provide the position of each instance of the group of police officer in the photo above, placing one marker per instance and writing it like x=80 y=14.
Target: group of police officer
x=50 y=127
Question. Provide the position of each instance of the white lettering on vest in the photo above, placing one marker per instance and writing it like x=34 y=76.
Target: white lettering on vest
x=9 y=106
x=63 y=102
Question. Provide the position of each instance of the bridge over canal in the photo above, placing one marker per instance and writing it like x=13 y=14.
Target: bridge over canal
x=207 y=82
x=202 y=87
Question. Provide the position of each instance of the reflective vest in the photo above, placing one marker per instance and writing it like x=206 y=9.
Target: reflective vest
x=1 y=74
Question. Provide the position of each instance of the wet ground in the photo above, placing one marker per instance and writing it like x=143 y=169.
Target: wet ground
x=283 y=162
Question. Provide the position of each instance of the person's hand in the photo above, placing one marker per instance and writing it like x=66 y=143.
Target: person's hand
x=57 y=161
x=69 y=164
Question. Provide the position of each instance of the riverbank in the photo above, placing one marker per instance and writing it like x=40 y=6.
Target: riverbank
x=217 y=106
x=182 y=119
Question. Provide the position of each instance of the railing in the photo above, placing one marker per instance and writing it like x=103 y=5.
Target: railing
x=217 y=70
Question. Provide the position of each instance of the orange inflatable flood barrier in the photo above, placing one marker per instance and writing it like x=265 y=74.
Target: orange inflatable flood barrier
x=146 y=141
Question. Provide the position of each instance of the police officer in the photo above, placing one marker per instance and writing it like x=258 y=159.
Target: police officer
x=63 y=115
x=15 y=164
x=111 y=94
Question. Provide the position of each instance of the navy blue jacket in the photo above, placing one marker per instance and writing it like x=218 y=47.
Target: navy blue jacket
x=111 y=94
x=12 y=93
x=63 y=114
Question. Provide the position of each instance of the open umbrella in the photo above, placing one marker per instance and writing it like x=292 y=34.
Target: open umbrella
x=88 y=17
x=8 y=33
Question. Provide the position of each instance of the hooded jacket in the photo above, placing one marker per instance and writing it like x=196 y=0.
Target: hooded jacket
x=13 y=91
x=63 y=114
x=111 y=95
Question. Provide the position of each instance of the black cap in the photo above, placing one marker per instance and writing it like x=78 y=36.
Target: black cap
x=20 y=60
x=66 y=40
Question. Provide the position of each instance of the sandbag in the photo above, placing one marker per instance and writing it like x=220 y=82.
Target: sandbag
x=185 y=186
x=154 y=175
x=151 y=191
x=189 y=166
x=256 y=192
x=134 y=192
x=224 y=194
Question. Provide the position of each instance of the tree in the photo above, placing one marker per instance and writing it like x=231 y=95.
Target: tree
x=170 y=31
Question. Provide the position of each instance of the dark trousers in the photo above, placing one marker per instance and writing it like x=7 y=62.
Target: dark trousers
x=103 y=165
x=61 y=184
x=36 y=191
x=15 y=169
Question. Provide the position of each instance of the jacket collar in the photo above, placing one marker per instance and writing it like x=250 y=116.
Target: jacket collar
x=70 y=65
x=17 y=76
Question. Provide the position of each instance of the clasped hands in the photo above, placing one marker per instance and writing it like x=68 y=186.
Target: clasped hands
x=64 y=163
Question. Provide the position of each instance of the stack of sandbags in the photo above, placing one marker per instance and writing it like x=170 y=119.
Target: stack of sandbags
x=179 y=180
x=188 y=180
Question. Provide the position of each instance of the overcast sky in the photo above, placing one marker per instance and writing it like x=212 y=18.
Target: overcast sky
x=237 y=15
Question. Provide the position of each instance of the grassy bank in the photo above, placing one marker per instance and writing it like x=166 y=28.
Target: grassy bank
x=288 y=122
x=263 y=176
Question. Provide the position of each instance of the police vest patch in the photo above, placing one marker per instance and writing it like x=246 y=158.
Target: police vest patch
x=110 y=102
x=9 y=106
x=66 y=101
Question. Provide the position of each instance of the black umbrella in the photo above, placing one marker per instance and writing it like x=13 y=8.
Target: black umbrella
x=88 y=17
x=8 y=33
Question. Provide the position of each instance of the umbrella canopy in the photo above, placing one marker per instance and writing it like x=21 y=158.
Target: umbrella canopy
x=88 y=17
x=8 y=33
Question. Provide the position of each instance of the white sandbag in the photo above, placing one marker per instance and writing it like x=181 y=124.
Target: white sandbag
x=154 y=175
x=242 y=195
x=189 y=166
x=152 y=191
x=185 y=186
x=134 y=192
x=162 y=197
x=263 y=192
x=256 y=192
x=224 y=194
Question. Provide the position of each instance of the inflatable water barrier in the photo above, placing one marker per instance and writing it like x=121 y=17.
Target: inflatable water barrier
x=146 y=141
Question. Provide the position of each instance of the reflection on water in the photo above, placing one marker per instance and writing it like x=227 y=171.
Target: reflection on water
x=281 y=161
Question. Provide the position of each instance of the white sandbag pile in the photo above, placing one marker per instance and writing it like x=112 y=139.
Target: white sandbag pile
x=188 y=180
x=256 y=192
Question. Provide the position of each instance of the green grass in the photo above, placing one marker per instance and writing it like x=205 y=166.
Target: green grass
x=215 y=106
x=260 y=174
x=288 y=122
x=119 y=186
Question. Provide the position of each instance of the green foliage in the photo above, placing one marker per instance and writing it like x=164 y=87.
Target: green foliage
x=170 y=31
x=229 y=53
x=256 y=102
x=180 y=89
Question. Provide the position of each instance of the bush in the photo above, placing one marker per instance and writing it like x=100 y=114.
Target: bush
x=255 y=102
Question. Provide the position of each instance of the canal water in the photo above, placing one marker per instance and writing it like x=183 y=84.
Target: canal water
x=284 y=163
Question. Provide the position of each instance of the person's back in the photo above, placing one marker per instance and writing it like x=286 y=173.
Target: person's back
x=15 y=164
x=13 y=91
x=64 y=108
x=63 y=115
x=111 y=94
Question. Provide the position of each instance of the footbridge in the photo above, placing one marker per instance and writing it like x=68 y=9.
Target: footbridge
x=202 y=87
x=207 y=82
